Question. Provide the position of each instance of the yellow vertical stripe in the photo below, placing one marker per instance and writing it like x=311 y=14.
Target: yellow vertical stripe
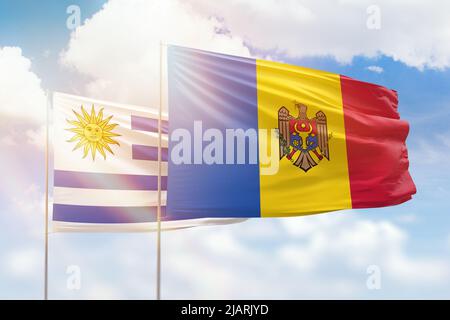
x=291 y=191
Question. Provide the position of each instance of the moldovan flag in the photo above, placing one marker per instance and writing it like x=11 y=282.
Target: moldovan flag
x=314 y=141
x=106 y=167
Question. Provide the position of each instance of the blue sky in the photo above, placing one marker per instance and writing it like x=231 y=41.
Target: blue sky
x=38 y=28
x=197 y=262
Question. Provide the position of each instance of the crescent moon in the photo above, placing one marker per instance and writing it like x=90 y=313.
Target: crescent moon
x=296 y=129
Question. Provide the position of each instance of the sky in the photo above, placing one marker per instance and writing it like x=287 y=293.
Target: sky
x=113 y=55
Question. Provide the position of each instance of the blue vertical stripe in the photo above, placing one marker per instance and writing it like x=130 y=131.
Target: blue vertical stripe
x=220 y=91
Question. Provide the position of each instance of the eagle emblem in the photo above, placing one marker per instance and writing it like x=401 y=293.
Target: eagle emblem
x=303 y=140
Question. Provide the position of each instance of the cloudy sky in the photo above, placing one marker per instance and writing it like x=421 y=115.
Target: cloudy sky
x=113 y=55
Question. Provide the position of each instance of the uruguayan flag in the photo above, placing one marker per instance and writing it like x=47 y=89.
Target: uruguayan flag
x=106 y=167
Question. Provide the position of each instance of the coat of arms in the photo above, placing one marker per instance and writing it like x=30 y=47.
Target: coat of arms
x=93 y=132
x=303 y=140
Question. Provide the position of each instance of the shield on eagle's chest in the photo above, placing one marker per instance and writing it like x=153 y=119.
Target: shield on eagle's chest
x=303 y=140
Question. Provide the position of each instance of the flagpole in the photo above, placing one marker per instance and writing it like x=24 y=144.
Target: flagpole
x=47 y=137
x=158 y=234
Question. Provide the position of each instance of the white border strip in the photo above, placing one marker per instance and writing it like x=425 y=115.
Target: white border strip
x=144 y=110
x=107 y=198
x=57 y=226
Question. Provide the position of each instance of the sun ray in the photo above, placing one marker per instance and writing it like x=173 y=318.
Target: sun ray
x=110 y=127
x=110 y=141
x=75 y=138
x=93 y=116
x=81 y=143
x=86 y=115
x=75 y=123
x=101 y=150
x=104 y=122
x=93 y=150
x=110 y=134
x=92 y=132
x=80 y=118
x=76 y=130
x=86 y=150
x=104 y=145
x=100 y=116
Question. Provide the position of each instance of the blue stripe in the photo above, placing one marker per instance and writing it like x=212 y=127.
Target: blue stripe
x=148 y=124
x=220 y=91
x=93 y=214
x=141 y=152
x=90 y=180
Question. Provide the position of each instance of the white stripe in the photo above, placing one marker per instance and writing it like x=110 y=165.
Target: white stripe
x=113 y=198
x=57 y=226
x=149 y=112
x=145 y=138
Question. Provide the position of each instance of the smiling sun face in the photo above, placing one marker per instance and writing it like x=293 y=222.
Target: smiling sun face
x=93 y=133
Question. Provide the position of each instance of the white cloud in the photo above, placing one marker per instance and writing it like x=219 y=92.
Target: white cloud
x=443 y=138
x=103 y=292
x=339 y=28
x=22 y=114
x=7 y=140
x=431 y=271
x=327 y=258
x=376 y=69
x=37 y=137
x=47 y=53
x=119 y=47
x=407 y=218
x=21 y=95
x=359 y=243
x=23 y=262
x=30 y=201
x=323 y=256
x=431 y=151
x=27 y=208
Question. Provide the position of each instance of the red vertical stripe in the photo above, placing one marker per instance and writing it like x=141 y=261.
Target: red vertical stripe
x=376 y=151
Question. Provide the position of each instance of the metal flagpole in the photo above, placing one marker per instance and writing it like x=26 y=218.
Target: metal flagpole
x=47 y=137
x=158 y=236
